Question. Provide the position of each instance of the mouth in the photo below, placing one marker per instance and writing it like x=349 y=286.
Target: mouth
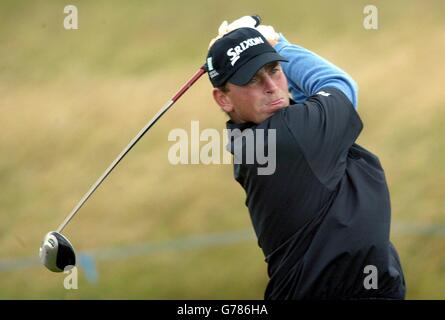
x=276 y=104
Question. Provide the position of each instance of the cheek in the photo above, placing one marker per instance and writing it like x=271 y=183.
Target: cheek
x=257 y=102
x=283 y=83
x=249 y=101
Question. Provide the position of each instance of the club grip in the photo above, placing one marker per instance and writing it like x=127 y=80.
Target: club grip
x=257 y=19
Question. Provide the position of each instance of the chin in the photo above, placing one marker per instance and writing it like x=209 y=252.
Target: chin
x=272 y=109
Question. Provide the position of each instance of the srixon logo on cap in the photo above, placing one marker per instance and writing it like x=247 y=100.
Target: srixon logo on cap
x=234 y=53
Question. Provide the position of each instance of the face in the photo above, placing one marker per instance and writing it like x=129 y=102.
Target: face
x=265 y=94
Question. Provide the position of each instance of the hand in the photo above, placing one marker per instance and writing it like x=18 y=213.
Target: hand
x=243 y=22
x=269 y=33
x=225 y=27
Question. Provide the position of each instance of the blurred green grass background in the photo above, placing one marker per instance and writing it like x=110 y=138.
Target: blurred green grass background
x=71 y=100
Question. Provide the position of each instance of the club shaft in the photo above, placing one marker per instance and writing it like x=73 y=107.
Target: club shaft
x=141 y=133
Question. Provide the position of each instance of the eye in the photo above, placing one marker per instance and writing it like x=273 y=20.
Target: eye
x=275 y=70
x=253 y=80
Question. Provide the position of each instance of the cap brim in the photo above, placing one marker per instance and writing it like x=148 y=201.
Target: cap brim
x=246 y=72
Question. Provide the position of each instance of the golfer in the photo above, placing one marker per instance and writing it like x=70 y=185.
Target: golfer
x=322 y=218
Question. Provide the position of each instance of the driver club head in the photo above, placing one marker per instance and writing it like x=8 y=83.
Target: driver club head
x=56 y=252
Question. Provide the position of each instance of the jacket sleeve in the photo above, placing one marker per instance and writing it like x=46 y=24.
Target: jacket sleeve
x=308 y=73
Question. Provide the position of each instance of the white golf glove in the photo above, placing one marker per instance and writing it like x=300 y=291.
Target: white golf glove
x=243 y=22
x=268 y=32
x=225 y=27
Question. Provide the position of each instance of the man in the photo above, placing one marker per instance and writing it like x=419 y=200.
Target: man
x=322 y=218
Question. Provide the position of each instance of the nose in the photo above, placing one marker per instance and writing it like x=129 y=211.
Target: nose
x=269 y=84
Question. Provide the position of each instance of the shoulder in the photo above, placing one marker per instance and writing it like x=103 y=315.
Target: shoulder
x=327 y=101
x=331 y=95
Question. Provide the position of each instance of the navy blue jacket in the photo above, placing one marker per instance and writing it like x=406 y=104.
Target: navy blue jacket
x=323 y=216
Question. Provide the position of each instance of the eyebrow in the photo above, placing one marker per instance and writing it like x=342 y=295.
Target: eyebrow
x=272 y=64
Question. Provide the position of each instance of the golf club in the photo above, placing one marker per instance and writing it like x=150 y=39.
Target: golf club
x=56 y=252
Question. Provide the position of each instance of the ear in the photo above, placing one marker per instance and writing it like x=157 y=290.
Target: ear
x=223 y=100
